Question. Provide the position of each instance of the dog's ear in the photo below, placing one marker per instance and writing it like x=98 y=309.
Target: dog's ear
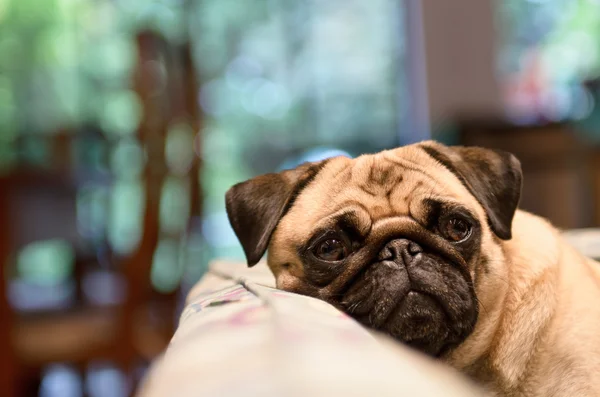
x=256 y=206
x=493 y=177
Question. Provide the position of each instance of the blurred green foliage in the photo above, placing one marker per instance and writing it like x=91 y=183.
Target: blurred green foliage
x=46 y=262
x=549 y=48
x=67 y=64
x=566 y=31
x=276 y=78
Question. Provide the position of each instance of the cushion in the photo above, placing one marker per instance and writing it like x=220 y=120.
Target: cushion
x=239 y=336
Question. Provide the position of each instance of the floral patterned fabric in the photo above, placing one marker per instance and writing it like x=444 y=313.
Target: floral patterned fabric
x=239 y=336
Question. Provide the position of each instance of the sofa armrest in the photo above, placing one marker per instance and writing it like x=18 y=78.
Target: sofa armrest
x=238 y=336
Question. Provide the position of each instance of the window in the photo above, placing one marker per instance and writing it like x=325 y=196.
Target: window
x=284 y=82
x=549 y=49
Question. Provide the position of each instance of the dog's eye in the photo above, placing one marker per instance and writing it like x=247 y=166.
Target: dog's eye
x=331 y=250
x=456 y=229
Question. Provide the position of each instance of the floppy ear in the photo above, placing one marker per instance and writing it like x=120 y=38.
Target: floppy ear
x=256 y=206
x=493 y=177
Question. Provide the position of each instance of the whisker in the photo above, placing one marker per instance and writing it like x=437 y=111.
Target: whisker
x=487 y=312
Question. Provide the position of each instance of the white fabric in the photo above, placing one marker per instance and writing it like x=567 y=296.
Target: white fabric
x=238 y=336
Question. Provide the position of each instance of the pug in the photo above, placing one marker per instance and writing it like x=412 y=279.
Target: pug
x=425 y=243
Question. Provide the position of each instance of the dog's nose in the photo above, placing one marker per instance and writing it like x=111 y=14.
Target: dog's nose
x=403 y=249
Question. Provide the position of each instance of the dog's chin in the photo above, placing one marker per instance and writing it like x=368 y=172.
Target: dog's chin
x=431 y=308
x=420 y=322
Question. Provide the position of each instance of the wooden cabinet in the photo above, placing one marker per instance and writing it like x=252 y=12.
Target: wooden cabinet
x=559 y=169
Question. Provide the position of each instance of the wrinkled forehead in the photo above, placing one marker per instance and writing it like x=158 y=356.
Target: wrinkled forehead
x=387 y=184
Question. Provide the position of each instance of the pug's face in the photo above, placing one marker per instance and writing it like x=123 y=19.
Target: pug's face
x=406 y=241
